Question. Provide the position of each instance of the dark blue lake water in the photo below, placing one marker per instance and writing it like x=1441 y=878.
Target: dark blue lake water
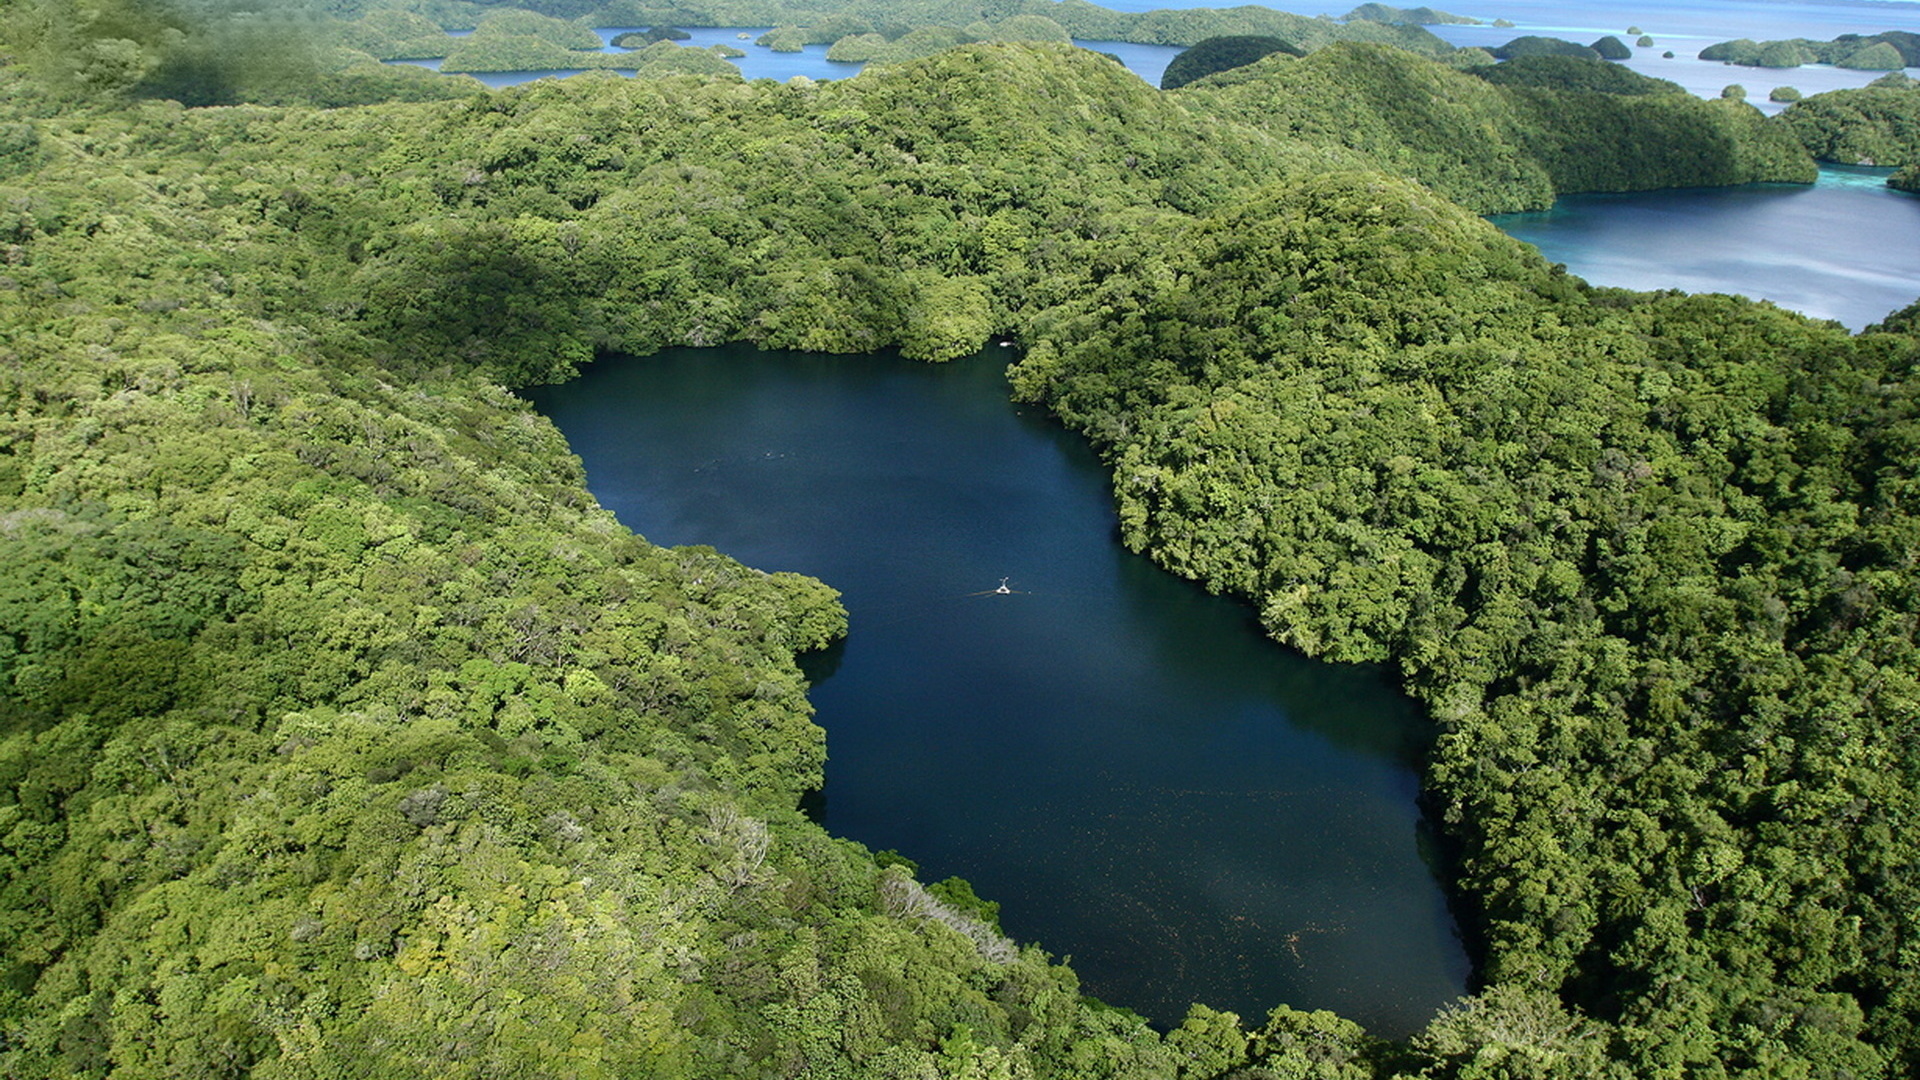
x=1846 y=248
x=1711 y=20
x=1140 y=777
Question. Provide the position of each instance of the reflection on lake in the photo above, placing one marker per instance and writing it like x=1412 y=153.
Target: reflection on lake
x=1840 y=249
x=1140 y=777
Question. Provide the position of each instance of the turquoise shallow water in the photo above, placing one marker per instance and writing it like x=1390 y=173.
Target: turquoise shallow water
x=1846 y=248
x=1143 y=780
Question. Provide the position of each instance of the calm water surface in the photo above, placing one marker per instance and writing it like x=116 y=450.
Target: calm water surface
x=1143 y=780
x=1846 y=248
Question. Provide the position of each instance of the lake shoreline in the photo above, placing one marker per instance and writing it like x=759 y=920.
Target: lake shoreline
x=1127 y=764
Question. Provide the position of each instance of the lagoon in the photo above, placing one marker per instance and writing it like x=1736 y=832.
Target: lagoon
x=1842 y=248
x=1144 y=781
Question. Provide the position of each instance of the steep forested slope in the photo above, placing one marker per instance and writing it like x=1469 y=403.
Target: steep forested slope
x=344 y=735
x=1874 y=125
x=1512 y=140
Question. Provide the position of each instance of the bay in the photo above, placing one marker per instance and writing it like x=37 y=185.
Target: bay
x=1142 y=779
x=1843 y=248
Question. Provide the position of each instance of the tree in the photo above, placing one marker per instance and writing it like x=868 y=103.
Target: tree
x=1509 y=1033
x=947 y=318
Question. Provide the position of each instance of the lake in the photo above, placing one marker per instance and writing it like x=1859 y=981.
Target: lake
x=1843 y=248
x=1144 y=781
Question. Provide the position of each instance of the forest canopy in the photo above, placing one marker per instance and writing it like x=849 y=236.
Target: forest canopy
x=1506 y=137
x=556 y=35
x=344 y=734
x=1214 y=55
x=1419 y=16
x=1877 y=124
x=1537 y=45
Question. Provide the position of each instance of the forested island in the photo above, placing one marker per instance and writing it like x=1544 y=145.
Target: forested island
x=344 y=734
x=1887 y=51
x=557 y=36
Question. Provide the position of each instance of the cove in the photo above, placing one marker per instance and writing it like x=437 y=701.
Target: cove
x=1145 y=783
x=1839 y=249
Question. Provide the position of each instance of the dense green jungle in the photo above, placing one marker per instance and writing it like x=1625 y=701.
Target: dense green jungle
x=1887 y=51
x=342 y=734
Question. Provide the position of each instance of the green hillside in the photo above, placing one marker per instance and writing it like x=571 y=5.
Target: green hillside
x=1511 y=138
x=1874 y=125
